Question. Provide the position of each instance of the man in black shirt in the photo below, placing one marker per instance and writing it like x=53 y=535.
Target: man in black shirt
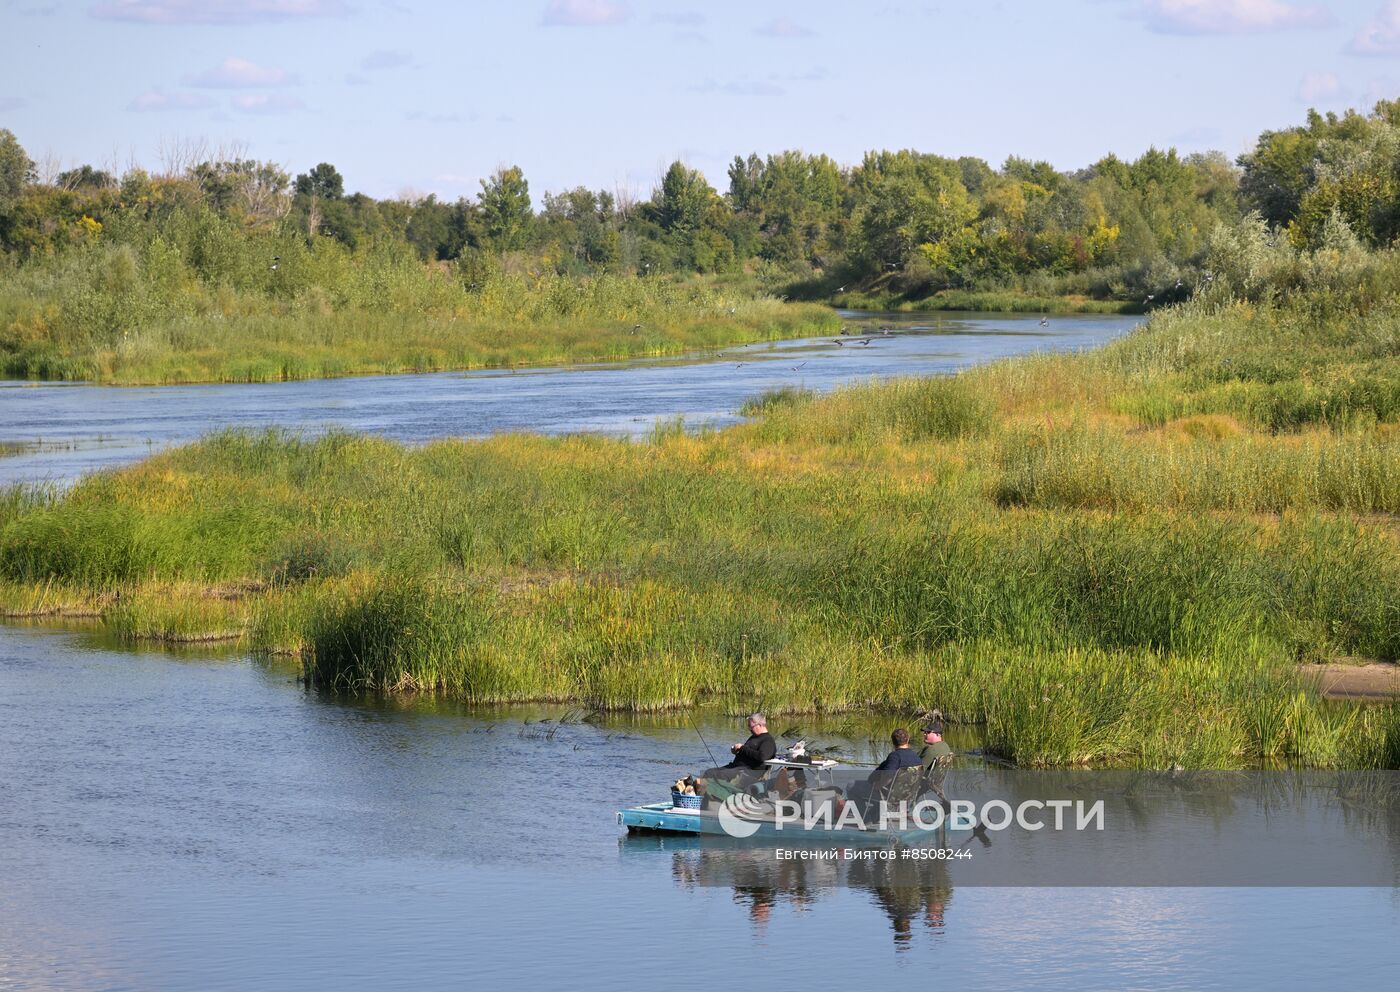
x=750 y=756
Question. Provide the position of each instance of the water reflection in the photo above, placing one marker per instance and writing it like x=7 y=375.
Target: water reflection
x=913 y=895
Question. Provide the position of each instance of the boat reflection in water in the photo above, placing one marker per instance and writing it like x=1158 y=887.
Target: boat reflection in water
x=913 y=894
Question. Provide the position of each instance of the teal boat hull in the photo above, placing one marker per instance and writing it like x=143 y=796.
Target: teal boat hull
x=663 y=818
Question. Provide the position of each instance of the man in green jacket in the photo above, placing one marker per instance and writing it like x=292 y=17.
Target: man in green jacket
x=935 y=756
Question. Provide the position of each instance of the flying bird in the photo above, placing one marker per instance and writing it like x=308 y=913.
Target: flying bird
x=796 y=367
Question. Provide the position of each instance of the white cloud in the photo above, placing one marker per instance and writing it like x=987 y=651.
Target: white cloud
x=215 y=11
x=817 y=75
x=1231 y=16
x=683 y=18
x=236 y=73
x=1377 y=90
x=157 y=100
x=741 y=87
x=428 y=117
x=584 y=13
x=267 y=103
x=386 y=59
x=785 y=28
x=1381 y=34
x=1319 y=87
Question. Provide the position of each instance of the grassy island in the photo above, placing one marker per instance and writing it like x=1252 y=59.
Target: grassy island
x=1118 y=555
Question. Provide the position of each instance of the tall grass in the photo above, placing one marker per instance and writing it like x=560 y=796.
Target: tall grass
x=1203 y=466
x=215 y=310
x=1009 y=545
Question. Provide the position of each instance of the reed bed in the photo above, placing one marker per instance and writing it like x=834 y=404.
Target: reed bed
x=1012 y=545
x=125 y=314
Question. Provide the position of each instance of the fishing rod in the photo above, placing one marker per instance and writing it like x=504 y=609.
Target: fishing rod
x=696 y=727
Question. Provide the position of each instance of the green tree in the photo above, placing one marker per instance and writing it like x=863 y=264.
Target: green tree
x=582 y=224
x=255 y=191
x=429 y=229
x=690 y=219
x=16 y=170
x=684 y=195
x=905 y=199
x=1282 y=166
x=322 y=182
x=85 y=177
x=1355 y=172
x=796 y=200
x=505 y=206
x=745 y=184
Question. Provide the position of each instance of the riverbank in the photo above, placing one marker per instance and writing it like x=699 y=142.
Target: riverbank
x=983 y=301
x=406 y=319
x=1356 y=679
x=1112 y=556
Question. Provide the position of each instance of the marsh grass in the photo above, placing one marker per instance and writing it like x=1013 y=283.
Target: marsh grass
x=1088 y=466
x=774 y=399
x=125 y=314
x=1012 y=545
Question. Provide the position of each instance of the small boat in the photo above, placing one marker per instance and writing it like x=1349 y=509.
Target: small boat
x=754 y=815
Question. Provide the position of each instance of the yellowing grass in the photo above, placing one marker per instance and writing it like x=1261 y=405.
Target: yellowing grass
x=1010 y=545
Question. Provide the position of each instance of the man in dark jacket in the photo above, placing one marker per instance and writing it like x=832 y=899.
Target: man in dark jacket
x=903 y=756
x=749 y=757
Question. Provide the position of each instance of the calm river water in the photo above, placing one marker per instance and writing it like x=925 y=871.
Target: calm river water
x=196 y=822
x=65 y=430
x=182 y=822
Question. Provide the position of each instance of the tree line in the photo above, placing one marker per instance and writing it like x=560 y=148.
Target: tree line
x=904 y=220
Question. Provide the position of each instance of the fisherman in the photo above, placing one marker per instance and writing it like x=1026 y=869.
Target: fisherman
x=935 y=756
x=903 y=756
x=751 y=756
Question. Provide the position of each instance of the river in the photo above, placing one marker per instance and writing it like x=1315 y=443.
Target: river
x=56 y=432
x=177 y=822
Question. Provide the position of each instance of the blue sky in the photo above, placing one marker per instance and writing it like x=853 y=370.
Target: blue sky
x=407 y=95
